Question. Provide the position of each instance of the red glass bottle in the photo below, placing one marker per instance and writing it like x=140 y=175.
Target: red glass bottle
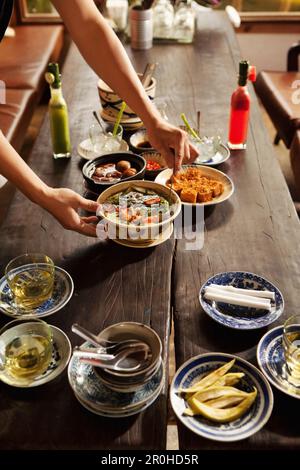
x=240 y=108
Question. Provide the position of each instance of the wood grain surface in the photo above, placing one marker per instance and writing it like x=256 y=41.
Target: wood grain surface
x=112 y=284
x=257 y=230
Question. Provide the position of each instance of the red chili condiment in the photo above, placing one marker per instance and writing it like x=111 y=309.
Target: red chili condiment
x=152 y=165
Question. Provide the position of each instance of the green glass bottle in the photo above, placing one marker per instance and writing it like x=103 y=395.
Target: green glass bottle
x=58 y=114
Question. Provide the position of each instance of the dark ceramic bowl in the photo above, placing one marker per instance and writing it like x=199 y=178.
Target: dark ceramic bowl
x=154 y=156
x=136 y=161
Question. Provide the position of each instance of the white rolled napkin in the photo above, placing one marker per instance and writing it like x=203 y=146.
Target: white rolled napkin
x=236 y=299
x=266 y=294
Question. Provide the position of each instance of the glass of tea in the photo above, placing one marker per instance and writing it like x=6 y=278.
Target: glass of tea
x=25 y=350
x=30 y=278
x=291 y=346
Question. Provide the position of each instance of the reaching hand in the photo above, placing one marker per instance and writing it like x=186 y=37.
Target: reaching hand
x=64 y=204
x=172 y=143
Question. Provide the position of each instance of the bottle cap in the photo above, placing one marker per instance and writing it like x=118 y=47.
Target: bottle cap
x=243 y=72
x=53 y=69
x=244 y=67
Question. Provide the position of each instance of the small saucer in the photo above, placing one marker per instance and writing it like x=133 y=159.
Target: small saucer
x=85 y=149
x=62 y=292
x=121 y=414
x=234 y=316
x=270 y=358
x=222 y=154
x=245 y=426
x=61 y=353
x=92 y=393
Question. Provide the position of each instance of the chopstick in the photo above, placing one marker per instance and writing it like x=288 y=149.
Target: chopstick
x=237 y=299
x=266 y=294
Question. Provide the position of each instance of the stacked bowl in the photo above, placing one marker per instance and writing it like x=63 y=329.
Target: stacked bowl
x=111 y=104
x=117 y=393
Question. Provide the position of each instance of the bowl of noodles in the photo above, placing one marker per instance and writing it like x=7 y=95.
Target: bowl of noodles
x=139 y=211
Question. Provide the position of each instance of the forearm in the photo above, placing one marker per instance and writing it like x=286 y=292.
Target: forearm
x=13 y=167
x=105 y=54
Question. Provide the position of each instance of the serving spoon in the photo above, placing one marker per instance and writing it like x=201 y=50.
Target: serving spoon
x=106 y=345
x=132 y=358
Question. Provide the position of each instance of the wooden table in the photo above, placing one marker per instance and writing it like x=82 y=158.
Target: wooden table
x=257 y=230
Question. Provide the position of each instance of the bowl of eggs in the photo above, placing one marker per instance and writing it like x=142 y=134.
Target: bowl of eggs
x=107 y=170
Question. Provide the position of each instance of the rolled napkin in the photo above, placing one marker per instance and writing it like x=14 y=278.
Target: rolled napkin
x=237 y=299
x=266 y=294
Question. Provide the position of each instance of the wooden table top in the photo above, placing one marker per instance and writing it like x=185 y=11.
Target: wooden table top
x=256 y=230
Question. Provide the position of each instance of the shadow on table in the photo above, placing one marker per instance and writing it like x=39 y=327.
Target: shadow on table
x=218 y=215
x=92 y=265
x=215 y=337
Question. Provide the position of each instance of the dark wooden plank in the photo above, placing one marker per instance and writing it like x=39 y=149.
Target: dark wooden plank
x=257 y=230
x=112 y=284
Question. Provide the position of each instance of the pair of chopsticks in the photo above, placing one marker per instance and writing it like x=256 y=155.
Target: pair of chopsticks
x=260 y=299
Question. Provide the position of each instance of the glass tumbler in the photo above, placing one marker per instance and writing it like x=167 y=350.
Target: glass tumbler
x=105 y=141
x=25 y=350
x=163 y=17
x=291 y=346
x=30 y=278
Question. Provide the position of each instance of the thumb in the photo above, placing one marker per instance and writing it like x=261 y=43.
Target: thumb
x=88 y=205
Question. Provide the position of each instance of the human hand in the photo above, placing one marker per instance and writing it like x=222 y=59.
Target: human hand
x=64 y=204
x=171 y=142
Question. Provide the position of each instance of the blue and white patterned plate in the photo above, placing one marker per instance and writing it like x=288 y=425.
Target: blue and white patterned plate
x=251 y=422
x=61 y=353
x=90 y=390
x=120 y=414
x=270 y=358
x=234 y=316
x=62 y=292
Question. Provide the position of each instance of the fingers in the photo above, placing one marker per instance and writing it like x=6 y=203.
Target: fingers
x=168 y=155
x=179 y=152
x=193 y=152
x=87 y=204
x=187 y=154
x=90 y=220
x=86 y=229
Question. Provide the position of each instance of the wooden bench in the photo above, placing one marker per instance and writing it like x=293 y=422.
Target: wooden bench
x=276 y=90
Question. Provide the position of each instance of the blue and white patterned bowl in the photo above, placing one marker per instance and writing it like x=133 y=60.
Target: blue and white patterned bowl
x=271 y=360
x=251 y=422
x=62 y=292
x=234 y=316
x=90 y=390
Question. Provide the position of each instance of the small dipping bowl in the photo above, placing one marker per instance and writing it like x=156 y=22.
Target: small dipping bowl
x=139 y=142
x=154 y=156
x=124 y=381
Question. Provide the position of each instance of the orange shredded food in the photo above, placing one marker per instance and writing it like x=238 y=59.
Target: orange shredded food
x=192 y=186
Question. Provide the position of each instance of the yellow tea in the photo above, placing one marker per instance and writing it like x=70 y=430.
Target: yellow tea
x=291 y=344
x=31 y=286
x=28 y=356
